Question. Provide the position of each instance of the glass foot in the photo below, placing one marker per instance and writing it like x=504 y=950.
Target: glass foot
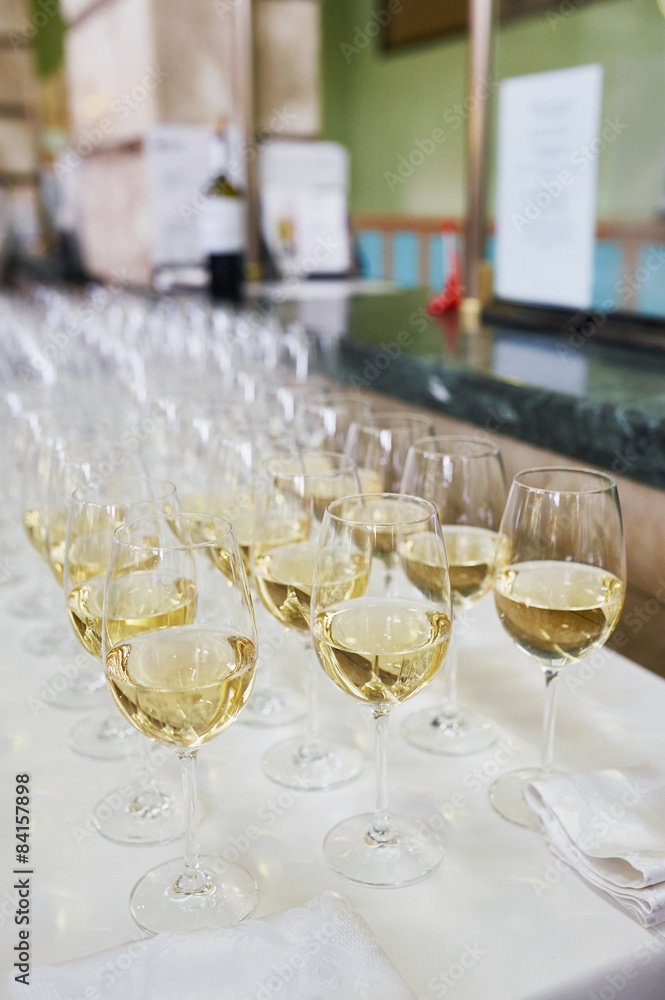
x=103 y=737
x=407 y=854
x=273 y=707
x=84 y=692
x=431 y=730
x=507 y=797
x=314 y=768
x=223 y=895
x=149 y=814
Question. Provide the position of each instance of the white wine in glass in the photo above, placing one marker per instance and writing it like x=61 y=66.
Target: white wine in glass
x=464 y=477
x=182 y=684
x=559 y=590
x=379 y=448
x=381 y=646
x=147 y=812
x=291 y=499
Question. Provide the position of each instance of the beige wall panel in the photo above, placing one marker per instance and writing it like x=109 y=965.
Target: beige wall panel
x=17 y=81
x=288 y=66
x=194 y=43
x=17 y=146
x=13 y=16
x=115 y=228
x=113 y=75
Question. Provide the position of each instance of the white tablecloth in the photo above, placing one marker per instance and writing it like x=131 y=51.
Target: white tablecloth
x=501 y=918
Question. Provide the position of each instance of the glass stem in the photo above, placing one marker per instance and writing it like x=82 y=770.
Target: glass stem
x=380 y=831
x=193 y=879
x=148 y=800
x=311 y=747
x=449 y=711
x=547 y=753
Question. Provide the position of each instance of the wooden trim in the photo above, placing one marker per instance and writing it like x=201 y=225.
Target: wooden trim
x=644 y=231
x=14 y=40
x=126 y=146
x=395 y=223
x=606 y=229
x=16 y=111
x=13 y=179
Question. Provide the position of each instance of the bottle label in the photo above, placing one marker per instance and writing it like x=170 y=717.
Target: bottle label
x=222 y=225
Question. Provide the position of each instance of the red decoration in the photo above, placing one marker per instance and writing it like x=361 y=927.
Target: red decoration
x=451 y=296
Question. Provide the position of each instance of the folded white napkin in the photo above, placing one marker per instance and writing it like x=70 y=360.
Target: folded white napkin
x=610 y=827
x=319 y=950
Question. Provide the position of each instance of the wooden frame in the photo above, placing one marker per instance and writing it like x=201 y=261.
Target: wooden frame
x=410 y=22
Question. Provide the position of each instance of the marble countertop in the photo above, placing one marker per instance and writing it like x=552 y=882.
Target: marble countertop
x=574 y=394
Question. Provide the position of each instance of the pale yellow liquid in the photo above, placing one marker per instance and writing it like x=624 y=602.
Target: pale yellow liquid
x=557 y=611
x=381 y=650
x=35 y=528
x=55 y=545
x=89 y=555
x=370 y=481
x=284 y=578
x=182 y=685
x=142 y=602
x=471 y=556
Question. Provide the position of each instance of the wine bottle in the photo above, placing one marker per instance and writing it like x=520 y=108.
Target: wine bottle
x=222 y=227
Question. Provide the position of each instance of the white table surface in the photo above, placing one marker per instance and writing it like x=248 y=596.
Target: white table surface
x=524 y=929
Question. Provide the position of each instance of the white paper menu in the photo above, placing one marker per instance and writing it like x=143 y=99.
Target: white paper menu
x=549 y=144
x=178 y=173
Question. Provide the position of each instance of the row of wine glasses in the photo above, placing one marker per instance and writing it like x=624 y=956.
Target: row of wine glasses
x=357 y=528
x=445 y=469
x=381 y=628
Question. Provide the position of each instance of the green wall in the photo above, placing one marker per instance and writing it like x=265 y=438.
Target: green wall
x=381 y=106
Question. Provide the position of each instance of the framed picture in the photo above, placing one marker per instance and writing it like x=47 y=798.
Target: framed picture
x=408 y=22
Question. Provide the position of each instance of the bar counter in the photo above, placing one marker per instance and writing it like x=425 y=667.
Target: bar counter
x=574 y=394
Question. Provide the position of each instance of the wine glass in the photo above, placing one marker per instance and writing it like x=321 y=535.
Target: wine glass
x=324 y=422
x=230 y=493
x=223 y=484
x=180 y=673
x=34 y=488
x=76 y=463
x=381 y=646
x=559 y=589
x=379 y=449
x=291 y=497
x=464 y=477
x=144 y=814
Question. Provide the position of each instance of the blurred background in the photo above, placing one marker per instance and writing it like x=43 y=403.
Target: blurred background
x=350 y=117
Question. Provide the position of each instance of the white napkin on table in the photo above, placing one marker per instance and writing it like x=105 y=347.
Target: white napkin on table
x=323 y=949
x=610 y=827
